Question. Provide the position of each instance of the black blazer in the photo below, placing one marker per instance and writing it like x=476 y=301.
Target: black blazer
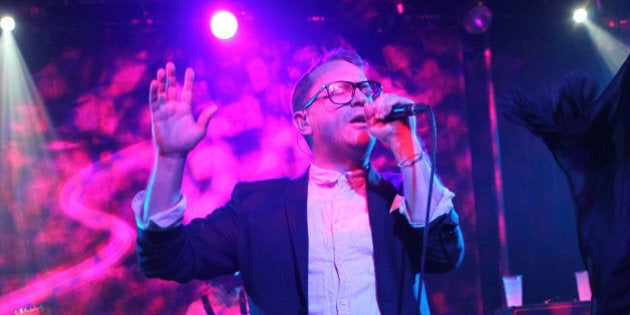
x=262 y=232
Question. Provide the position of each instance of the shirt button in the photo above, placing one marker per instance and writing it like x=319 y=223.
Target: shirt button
x=343 y=301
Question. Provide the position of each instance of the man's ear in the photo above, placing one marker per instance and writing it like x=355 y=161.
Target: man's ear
x=300 y=121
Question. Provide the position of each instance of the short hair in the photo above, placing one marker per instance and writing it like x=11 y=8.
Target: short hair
x=305 y=83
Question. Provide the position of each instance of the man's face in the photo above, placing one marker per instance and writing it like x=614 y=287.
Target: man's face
x=339 y=129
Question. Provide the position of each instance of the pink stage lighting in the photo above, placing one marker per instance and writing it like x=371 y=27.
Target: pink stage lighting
x=223 y=24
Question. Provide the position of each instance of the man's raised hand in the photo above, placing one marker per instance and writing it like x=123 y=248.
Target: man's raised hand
x=174 y=128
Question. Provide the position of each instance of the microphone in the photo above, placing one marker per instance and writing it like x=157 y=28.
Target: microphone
x=405 y=110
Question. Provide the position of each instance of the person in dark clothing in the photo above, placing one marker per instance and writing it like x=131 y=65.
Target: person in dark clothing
x=341 y=238
x=589 y=136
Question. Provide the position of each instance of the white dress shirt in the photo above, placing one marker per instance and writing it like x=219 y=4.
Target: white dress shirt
x=340 y=262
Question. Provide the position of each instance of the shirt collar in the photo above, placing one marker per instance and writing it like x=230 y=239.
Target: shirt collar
x=326 y=177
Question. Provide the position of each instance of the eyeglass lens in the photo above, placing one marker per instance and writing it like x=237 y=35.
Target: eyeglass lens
x=342 y=92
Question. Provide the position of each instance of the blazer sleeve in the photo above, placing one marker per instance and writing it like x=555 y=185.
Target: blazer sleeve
x=445 y=249
x=203 y=249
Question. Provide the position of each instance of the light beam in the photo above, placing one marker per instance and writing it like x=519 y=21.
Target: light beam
x=613 y=51
x=25 y=163
x=24 y=124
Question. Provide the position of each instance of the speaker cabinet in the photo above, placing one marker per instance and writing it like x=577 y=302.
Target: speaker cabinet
x=563 y=308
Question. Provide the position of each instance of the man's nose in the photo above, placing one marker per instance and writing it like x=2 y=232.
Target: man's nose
x=359 y=98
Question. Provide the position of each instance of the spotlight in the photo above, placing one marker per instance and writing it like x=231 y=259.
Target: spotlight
x=580 y=15
x=223 y=24
x=7 y=23
x=400 y=7
x=478 y=19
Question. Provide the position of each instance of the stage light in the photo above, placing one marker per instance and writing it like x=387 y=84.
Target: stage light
x=478 y=19
x=7 y=23
x=223 y=24
x=580 y=15
x=400 y=7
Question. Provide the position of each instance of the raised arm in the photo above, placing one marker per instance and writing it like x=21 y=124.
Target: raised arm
x=175 y=133
x=400 y=136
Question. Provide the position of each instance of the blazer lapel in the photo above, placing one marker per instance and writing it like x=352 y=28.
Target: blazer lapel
x=295 y=207
x=380 y=195
x=376 y=204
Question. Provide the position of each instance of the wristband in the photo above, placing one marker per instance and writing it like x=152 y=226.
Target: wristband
x=411 y=160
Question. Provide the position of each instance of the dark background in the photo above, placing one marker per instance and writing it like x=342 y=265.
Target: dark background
x=533 y=44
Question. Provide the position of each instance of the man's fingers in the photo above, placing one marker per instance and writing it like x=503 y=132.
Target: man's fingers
x=189 y=79
x=161 y=80
x=171 y=82
x=153 y=91
x=156 y=99
x=368 y=107
x=163 y=89
x=205 y=116
x=385 y=103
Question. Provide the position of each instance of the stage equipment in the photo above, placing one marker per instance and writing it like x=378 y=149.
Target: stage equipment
x=477 y=19
x=7 y=23
x=223 y=24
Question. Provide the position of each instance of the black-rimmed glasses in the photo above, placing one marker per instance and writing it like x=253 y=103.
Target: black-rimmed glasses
x=342 y=92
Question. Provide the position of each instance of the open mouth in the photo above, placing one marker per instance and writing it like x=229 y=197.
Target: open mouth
x=358 y=119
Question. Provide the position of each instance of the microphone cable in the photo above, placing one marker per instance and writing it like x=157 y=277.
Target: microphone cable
x=425 y=232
